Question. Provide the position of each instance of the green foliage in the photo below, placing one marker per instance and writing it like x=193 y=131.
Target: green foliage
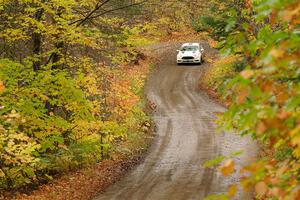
x=219 y=20
x=239 y=65
x=265 y=94
x=19 y=160
x=66 y=99
x=218 y=160
x=205 y=23
x=214 y=162
x=217 y=197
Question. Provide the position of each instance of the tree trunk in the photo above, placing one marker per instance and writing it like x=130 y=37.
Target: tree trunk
x=59 y=45
x=37 y=42
x=56 y=57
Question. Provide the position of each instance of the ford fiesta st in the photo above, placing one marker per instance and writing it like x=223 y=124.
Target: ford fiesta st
x=190 y=53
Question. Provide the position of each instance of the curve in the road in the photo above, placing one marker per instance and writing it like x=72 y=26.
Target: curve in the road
x=185 y=140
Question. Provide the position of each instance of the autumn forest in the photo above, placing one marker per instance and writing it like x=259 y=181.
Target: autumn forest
x=73 y=78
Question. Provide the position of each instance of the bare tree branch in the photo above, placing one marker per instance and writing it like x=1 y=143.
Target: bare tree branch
x=120 y=8
x=98 y=7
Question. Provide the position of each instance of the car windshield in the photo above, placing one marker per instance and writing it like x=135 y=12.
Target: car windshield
x=189 y=48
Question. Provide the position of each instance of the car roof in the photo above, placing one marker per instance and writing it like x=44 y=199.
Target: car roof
x=190 y=44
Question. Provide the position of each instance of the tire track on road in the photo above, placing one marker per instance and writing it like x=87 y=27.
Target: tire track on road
x=172 y=170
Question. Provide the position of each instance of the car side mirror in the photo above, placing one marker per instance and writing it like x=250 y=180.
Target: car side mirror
x=201 y=50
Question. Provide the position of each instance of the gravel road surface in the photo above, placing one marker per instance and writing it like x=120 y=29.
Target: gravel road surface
x=186 y=138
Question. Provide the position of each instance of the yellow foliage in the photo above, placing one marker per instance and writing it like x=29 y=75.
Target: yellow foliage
x=219 y=70
x=232 y=190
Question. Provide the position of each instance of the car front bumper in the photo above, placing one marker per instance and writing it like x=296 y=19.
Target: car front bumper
x=179 y=61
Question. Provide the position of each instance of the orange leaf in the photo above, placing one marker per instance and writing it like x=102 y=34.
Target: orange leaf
x=212 y=43
x=276 y=192
x=296 y=194
x=282 y=97
x=242 y=97
x=273 y=140
x=283 y=115
x=277 y=53
x=227 y=168
x=246 y=74
x=275 y=181
x=232 y=190
x=261 y=189
x=266 y=85
x=2 y=87
x=246 y=183
x=261 y=128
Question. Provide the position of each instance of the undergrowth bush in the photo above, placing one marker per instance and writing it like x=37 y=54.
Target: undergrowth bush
x=220 y=71
x=70 y=91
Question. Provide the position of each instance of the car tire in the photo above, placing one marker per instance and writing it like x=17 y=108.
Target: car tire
x=201 y=61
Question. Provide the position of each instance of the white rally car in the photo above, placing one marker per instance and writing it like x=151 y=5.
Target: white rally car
x=190 y=53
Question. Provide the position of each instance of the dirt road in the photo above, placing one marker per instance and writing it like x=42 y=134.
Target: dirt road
x=186 y=138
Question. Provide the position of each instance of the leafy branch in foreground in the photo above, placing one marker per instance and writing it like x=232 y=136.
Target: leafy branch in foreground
x=264 y=92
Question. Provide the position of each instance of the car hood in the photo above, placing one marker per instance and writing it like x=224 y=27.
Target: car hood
x=189 y=53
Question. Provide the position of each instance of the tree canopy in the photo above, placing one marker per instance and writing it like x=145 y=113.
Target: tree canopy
x=70 y=91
